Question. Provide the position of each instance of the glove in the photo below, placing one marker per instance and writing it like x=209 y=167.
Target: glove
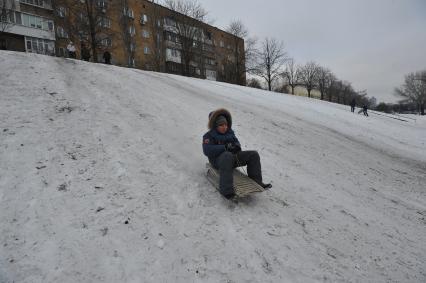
x=233 y=148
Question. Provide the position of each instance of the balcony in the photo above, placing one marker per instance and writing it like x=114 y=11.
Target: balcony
x=44 y=4
x=172 y=44
x=173 y=56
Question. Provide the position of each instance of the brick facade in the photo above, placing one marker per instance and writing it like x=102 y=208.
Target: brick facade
x=154 y=44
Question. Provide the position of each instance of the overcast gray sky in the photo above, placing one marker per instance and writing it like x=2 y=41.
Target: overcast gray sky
x=370 y=43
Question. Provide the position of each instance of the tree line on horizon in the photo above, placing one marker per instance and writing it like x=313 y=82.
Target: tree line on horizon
x=272 y=69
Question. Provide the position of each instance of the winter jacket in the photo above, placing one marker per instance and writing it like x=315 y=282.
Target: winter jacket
x=71 y=48
x=213 y=141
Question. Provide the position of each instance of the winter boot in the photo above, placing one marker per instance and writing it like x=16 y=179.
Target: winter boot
x=266 y=186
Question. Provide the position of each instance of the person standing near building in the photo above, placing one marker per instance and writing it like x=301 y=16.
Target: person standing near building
x=107 y=57
x=353 y=104
x=71 y=50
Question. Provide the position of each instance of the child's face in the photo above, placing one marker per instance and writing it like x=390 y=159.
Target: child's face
x=222 y=128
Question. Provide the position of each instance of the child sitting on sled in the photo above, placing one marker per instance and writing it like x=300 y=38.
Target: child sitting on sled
x=223 y=150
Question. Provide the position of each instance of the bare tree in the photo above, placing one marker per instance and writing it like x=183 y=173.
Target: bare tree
x=271 y=58
x=334 y=89
x=414 y=89
x=346 y=92
x=157 y=56
x=324 y=80
x=309 y=76
x=6 y=16
x=244 y=58
x=330 y=87
x=127 y=34
x=339 y=91
x=254 y=83
x=188 y=29
x=88 y=22
x=291 y=74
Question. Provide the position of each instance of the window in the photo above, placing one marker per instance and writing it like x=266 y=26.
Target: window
x=84 y=36
x=173 y=52
x=169 y=22
x=221 y=43
x=26 y=20
x=158 y=38
x=35 y=21
x=61 y=33
x=39 y=45
x=132 y=47
x=32 y=21
x=38 y=22
x=107 y=42
x=144 y=19
x=146 y=50
x=18 y=18
x=45 y=25
x=33 y=2
x=61 y=12
x=104 y=22
x=132 y=30
x=209 y=61
x=83 y=18
x=128 y=12
x=101 y=4
x=145 y=33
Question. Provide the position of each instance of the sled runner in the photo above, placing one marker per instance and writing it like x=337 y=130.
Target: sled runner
x=243 y=185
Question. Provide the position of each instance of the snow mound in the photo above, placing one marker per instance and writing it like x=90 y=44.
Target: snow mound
x=102 y=179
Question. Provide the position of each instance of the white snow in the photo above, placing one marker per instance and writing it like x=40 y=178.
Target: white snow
x=102 y=179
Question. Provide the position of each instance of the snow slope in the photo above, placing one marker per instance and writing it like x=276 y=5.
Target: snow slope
x=102 y=180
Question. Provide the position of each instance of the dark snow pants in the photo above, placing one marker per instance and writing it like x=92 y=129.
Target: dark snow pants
x=227 y=161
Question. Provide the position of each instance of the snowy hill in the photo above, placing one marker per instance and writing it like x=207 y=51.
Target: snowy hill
x=102 y=180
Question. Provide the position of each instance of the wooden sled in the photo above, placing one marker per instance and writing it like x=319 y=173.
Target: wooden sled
x=243 y=185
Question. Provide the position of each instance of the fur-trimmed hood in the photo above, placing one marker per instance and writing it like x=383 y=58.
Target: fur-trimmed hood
x=215 y=114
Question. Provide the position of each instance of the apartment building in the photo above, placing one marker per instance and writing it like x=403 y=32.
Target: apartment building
x=27 y=25
x=146 y=35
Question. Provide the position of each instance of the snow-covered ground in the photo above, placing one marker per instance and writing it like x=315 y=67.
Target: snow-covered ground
x=102 y=179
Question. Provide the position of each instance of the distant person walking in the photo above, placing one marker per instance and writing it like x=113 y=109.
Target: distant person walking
x=107 y=57
x=353 y=104
x=364 y=109
x=71 y=50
